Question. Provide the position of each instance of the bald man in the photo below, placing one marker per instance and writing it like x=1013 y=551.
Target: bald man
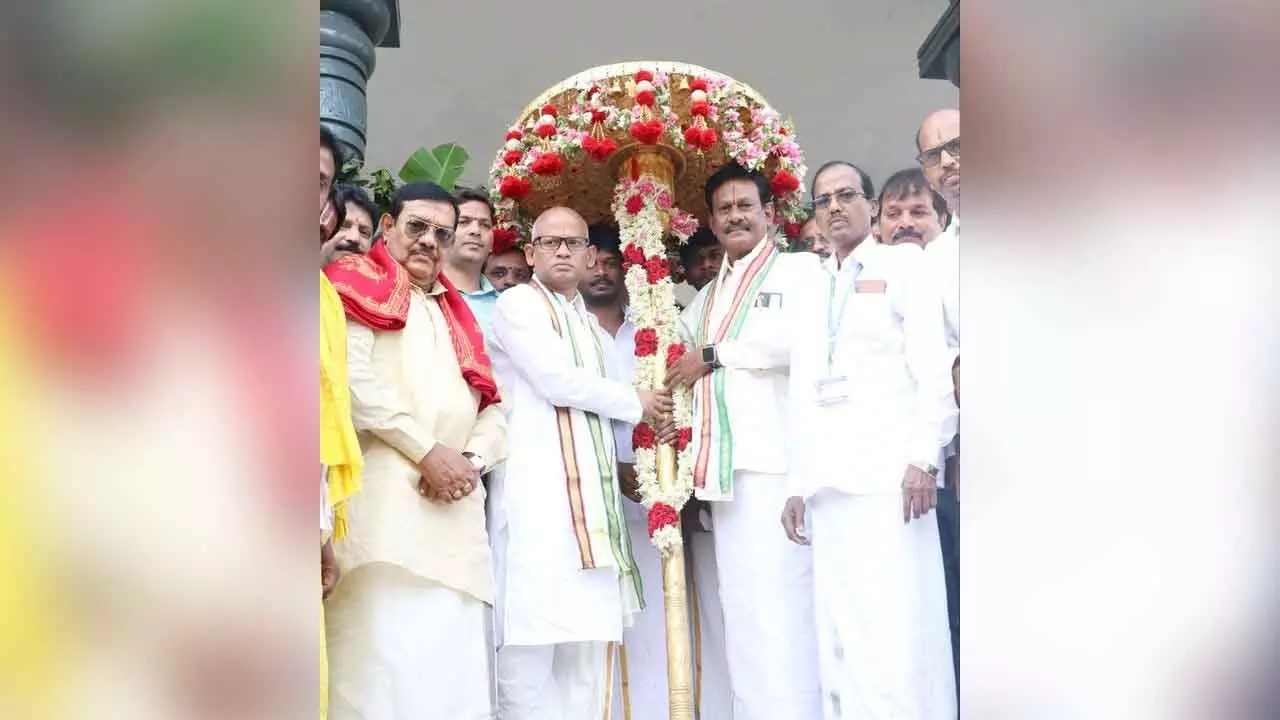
x=567 y=580
x=938 y=141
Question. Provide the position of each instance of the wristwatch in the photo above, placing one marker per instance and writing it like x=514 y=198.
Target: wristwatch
x=477 y=461
x=710 y=356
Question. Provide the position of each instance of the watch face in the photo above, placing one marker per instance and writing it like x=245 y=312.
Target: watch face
x=708 y=355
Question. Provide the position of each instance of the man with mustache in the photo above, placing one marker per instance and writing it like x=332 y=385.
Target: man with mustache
x=407 y=624
x=355 y=230
x=737 y=368
x=909 y=210
x=464 y=262
x=938 y=141
x=870 y=411
x=506 y=266
x=568 y=584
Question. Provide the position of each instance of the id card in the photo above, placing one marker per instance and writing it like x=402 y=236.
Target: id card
x=832 y=390
x=769 y=300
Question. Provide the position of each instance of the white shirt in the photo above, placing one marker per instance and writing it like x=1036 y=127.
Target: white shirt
x=889 y=346
x=624 y=350
x=943 y=255
x=755 y=364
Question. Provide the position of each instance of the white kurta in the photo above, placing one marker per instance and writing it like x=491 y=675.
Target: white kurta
x=549 y=598
x=765 y=581
x=640 y=691
x=881 y=600
x=406 y=626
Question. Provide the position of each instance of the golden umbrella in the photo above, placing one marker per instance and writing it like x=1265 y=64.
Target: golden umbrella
x=634 y=143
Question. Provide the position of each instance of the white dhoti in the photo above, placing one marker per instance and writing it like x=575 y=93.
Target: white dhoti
x=881 y=603
x=766 y=592
x=404 y=647
x=568 y=681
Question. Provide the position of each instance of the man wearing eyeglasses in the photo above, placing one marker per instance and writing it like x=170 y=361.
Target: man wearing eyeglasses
x=568 y=583
x=407 y=623
x=938 y=141
x=870 y=411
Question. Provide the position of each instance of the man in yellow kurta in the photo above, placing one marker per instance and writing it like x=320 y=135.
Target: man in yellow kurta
x=407 y=624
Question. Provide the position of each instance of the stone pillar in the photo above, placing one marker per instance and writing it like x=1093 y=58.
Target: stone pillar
x=350 y=31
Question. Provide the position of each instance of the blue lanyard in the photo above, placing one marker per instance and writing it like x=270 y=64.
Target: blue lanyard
x=835 y=321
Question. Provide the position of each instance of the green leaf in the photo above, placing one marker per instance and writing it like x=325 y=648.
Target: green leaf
x=421 y=166
x=452 y=159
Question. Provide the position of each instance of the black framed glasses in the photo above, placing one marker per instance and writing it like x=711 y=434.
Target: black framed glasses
x=552 y=243
x=931 y=157
x=844 y=196
x=416 y=228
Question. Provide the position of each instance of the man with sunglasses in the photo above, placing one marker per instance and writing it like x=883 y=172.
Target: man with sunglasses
x=407 y=624
x=870 y=411
x=938 y=141
x=567 y=580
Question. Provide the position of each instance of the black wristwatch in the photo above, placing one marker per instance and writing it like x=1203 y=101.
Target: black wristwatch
x=710 y=356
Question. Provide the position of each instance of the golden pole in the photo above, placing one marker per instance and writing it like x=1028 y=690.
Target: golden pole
x=652 y=162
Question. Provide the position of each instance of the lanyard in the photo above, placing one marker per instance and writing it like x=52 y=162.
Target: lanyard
x=834 y=321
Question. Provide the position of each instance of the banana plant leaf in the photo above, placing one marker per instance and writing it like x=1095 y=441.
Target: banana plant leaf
x=442 y=165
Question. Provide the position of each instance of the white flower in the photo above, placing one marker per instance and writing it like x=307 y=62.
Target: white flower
x=644 y=86
x=547 y=120
x=514 y=144
x=698 y=96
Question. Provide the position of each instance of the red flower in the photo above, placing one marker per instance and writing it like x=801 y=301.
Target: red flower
x=514 y=187
x=643 y=437
x=548 y=163
x=514 y=134
x=657 y=268
x=664 y=200
x=598 y=149
x=708 y=137
x=792 y=229
x=700 y=137
x=545 y=131
x=662 y=515
x=684 y=436
x=783 y=182
x=647 y=132
x=635 y=204
x=632 y=255
x=645 y=97
x=644 y=75
x=698 y=84
x=591 y=92
x=674 y=352
x=511 y=157
x=646 y=342
x=702 y=107
x=549 y=109
x=598 y=116
x=503 y=240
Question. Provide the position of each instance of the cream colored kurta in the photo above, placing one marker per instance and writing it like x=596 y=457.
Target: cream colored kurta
x=407 y=395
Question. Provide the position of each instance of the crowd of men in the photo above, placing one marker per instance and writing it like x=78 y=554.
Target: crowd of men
x=484 y=552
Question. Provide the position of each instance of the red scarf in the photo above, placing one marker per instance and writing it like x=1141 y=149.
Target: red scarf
x=375 y=293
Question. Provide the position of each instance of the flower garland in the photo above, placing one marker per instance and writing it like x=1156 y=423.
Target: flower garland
x=597 y=118
x=639 y=206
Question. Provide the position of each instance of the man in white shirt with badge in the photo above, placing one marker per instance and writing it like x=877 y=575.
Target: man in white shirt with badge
x=871 y=409
x=567 y=581
x=737 y=368
x=939 y=144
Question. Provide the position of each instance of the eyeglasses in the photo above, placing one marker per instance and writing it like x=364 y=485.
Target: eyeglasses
x=931 y=157
x=552 y=243
x=415 y=228
x=844 y=196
